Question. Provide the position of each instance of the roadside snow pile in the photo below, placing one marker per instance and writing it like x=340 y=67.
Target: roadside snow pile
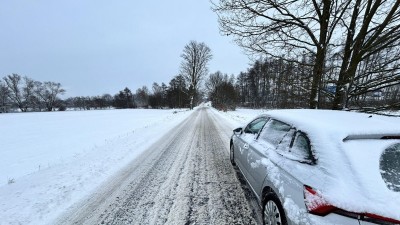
x=239 y=117
x=392 y=112
x=49 y=161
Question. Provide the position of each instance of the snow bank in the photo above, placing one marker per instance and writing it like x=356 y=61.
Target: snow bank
x=239 y=117
x=51 y=160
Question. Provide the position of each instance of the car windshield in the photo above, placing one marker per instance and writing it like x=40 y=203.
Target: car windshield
x=390 y=167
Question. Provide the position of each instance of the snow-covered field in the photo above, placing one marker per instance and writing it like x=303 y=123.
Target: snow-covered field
x=49 y=161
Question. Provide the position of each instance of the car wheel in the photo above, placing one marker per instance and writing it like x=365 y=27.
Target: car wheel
x=231 y=156
x=273 y=213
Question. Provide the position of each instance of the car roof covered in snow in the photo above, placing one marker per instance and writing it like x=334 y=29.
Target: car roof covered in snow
x=350 y=167
x=342 y=124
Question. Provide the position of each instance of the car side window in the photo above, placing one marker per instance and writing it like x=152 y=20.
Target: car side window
x=274 y=131
x=285 y=143
x=300 y=149
x=255 y=126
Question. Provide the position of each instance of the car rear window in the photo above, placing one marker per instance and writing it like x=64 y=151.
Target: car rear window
x=390 y=167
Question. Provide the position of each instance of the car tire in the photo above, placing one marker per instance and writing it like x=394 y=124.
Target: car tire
x=273 y=213
x=231 y=156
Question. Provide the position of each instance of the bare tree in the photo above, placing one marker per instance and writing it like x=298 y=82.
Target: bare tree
x=20 y=90
x=142 y=97
x=356 y=31
x=374 y=74
x=47 y=92
x=107 y=100
x=373 y=28
x=156 y=98
x=29 y=94
x=221 y=91
x=35 y=102
x=4 y=100
x=284 y=29
x=194 y=66
x=13 y=83
x=214 y=80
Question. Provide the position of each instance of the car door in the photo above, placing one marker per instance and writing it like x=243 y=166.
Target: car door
x=244 y=141
x=271 y=135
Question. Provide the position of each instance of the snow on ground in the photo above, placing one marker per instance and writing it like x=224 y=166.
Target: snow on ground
x=185 y=178
x=392 y=112
x=239 y=117
x=49 y=161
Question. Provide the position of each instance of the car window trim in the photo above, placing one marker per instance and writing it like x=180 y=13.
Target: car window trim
x=258 y=133
x=312 y=160
x=269 y=119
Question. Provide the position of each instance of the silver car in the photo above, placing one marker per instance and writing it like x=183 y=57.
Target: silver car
x=321 y=167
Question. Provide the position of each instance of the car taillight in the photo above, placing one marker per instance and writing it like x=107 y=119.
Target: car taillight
x=317 y=205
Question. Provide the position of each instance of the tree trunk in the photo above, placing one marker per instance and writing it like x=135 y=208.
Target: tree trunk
x=317 y=75
x=318 y=69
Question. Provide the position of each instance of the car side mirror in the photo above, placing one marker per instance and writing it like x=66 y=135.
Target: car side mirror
x=238 y=131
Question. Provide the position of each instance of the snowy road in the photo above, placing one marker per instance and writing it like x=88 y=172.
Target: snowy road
x=185 y=178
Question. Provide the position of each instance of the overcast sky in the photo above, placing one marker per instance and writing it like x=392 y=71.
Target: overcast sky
x=94 y=47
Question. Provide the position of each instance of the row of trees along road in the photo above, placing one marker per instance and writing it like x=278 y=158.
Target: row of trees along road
x=352 y=46
x=275 y=83
x=174 y=95
x=221 y=91
x=183 y=90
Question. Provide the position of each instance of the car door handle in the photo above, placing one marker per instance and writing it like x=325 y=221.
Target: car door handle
x=246 y=146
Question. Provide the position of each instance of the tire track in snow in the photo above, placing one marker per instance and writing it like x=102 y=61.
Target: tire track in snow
x=185 y=178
